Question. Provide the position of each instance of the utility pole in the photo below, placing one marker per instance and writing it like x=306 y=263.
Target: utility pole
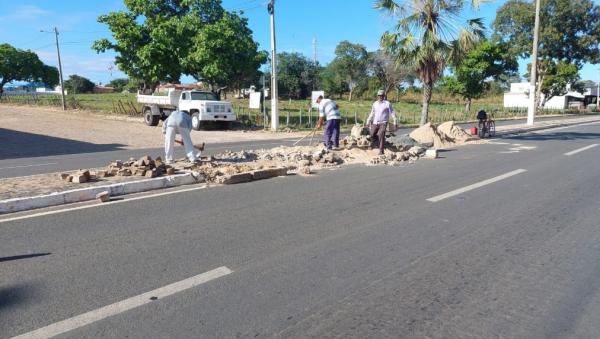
x=534 y=60
x=274 y=94
x=315 y=50
x=60 y=72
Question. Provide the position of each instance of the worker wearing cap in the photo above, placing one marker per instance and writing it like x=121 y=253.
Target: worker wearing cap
x=178 y=122
x=378 y=120
x=329 y=110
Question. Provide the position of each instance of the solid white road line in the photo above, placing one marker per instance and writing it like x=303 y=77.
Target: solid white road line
x=125 y=200
x=24 y=166
x=581 y=149
x=476 y=185
x=124 y=305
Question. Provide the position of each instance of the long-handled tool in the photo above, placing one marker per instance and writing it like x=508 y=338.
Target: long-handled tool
x=198 y=147
x=304 y=137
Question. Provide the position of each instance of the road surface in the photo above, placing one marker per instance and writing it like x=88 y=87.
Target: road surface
x=497 y=240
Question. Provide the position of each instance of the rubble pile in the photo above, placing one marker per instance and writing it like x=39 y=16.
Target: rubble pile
x=245 y=165
x=143 y=167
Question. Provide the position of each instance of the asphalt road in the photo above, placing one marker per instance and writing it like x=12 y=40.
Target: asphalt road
x=509 y=248
x=42 y=155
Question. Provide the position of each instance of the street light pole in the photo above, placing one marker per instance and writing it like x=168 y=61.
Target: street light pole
x=274 y=94
x=534 y=60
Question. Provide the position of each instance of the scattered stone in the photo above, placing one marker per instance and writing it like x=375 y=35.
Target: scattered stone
x=79 y=178
x=358 y=130
x=103 y=196
x=64 y=176
x=151 y=173
x=416 y=150
x=124 y=172
x=101 y=174
x=170 y=171
x=116 y=164
x=304 y=170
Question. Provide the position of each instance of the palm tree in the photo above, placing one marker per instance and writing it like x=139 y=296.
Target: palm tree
x=429 y=36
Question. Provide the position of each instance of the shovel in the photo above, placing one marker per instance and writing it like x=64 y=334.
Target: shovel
x=199 y=147
x=304 y=137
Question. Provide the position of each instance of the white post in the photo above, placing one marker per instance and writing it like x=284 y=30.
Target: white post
x=274 y=94
x=534 y=56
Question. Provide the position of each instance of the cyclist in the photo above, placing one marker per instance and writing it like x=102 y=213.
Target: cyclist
x=481 y=116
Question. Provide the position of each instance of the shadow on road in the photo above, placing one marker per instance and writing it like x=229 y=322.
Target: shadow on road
x=556 y=136
x=11 y=296
x=24 y=256
x=17 y=144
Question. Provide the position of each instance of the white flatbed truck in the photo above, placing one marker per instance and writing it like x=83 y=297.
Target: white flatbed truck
x=203 y=106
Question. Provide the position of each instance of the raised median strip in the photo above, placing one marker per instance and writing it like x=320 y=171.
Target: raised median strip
x=90 y=193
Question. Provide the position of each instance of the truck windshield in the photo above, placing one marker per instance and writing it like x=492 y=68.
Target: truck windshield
x=203 y=96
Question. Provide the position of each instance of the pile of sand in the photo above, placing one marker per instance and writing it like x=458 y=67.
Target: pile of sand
x=429 y=135
x=444 y=135
x=453 y=131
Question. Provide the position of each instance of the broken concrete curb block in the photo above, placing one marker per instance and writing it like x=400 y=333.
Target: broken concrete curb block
x=103 y=196
x=431 y=153
x=234 y=178
x=269 y=173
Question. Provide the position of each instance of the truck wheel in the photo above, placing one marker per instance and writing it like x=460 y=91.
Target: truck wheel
x=149 y=119
x=196 y=121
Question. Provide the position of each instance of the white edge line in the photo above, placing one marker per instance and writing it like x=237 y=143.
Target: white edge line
x=23 y=166
x=124 y=305
x=476 y=185
x=64 y=210
x=581 y=149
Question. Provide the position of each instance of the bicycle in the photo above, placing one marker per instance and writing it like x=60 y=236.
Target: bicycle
x=487 y=126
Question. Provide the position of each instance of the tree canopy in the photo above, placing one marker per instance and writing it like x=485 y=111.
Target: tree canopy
x=487 y=61
x=569 y=34
x=21 y=65
x=78 y=84
x=297 y=75
x=159 y=40
x=224 y=53
x=428 y=37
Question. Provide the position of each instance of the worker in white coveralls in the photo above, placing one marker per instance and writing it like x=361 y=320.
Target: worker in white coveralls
x=178 y=122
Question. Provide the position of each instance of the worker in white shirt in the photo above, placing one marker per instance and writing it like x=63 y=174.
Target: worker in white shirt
x=329 y=111
x=178 y=122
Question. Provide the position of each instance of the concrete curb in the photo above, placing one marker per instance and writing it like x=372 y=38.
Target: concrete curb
x=89 y=193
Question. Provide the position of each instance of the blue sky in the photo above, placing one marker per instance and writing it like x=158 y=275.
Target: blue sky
x=298 y=23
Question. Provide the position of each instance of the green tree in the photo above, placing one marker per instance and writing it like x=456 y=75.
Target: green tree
x=119 y=84
x=387 y=73
x=20 y=65
x=331 y=82
x=78 y=84
x=151 y=37
x=569 y=32
x=297 y=75
x=224 y=53
x=428 y=38
x=559 y=77
x=350 y=65
x=470 y=78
